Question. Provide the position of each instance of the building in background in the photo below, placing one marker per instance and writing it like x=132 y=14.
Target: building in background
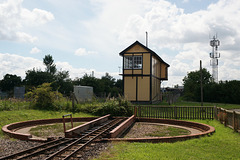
x=19 y=92
x=143 y=73
x=83 y=93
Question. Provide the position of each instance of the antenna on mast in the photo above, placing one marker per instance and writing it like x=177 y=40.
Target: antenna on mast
x=146 y=39
x=214 y=55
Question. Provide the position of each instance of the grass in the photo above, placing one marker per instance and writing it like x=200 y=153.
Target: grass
x=223 y=144
x=14 y=104
x=169 y=131
x=8 y=117
x=51 y=130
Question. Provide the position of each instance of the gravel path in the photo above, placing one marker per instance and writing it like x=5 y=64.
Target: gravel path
x=10 y=146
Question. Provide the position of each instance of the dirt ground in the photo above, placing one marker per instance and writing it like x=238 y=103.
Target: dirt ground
x=142 y=129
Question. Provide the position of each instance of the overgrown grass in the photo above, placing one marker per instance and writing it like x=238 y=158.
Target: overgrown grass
x=8 y=117
x=222 y=145
x=14 y=104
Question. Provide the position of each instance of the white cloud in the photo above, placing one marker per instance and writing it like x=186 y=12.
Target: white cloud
x=84 y=52
x=181 y=39
x=14 y=18
x=15 y=64
x=187 y=35
x=35 y=50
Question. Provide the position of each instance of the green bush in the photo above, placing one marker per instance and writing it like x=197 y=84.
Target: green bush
x=115 y=107
x=43 y=97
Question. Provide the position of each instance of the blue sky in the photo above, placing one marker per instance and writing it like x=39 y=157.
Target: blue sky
x=87 y=35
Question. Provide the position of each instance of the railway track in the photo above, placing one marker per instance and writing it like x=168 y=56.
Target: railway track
x=66 y=148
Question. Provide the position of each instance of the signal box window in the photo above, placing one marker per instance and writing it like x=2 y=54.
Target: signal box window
x=133 y=62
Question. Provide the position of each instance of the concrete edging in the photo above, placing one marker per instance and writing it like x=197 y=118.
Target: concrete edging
x=206 y=130
x=11 y=128
x=122 y=127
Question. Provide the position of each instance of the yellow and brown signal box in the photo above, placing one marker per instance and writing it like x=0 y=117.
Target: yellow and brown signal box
x=143 y=72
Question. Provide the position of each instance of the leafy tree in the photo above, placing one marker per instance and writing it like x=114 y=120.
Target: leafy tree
x=191 y=84
x=119 y=86
x=9 y=82
x=50 y=66
x=59 y=79
x=108 y=83
x=63 y=83
x=35 y=78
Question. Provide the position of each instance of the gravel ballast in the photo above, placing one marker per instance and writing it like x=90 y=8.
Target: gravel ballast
x=10 y=146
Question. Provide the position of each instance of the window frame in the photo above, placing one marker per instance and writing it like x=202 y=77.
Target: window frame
x=133 y=62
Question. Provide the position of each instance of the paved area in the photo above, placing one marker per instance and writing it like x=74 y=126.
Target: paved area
x=26 y=130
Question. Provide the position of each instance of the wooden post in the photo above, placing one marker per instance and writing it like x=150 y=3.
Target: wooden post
x=235 y=122
x=225 y=118
x=175 y=112
x=71 y=120
x=135 y=111
x=201 y=80
x=73 y=101
x=64 y=127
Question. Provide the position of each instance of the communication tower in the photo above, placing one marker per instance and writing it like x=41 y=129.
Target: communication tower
x=214 y=55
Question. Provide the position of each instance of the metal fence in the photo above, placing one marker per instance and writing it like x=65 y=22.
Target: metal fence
x=228 y=117
x=177 y=112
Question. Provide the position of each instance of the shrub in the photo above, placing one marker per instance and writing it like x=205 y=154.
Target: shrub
x=43 y=97
x=119 y=107
x=115 y=107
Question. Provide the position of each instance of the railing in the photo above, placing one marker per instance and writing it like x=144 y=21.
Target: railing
x=176 y=112
x=228 y=118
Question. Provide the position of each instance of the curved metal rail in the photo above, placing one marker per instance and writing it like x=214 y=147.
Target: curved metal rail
x=65 y=148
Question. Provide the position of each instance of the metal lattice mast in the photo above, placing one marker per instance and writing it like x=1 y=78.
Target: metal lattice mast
x=214 y=58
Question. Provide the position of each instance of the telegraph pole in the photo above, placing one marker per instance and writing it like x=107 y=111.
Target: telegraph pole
x=201 y=81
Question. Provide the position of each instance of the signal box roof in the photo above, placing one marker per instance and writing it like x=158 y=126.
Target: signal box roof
x=146 y=48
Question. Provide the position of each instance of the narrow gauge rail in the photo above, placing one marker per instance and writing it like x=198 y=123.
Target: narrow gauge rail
x=66 y=148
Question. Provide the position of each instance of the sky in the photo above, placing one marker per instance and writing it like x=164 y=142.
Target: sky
x=88 y=35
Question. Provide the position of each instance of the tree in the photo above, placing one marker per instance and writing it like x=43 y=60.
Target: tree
x=50 y=66
x=9 y=81
x=59 y=79
x=191 y=84
x=119 y=86
x=37 y=77
x=63 y=83
x=108 y=83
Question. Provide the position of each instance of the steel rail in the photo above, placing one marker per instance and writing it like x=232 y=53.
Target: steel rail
x=31 y=149
x=44 y=149
x=91 y=140
x=99 y=131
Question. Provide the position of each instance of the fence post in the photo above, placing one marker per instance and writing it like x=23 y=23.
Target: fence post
x=135 y=111
x=175 y=112
x=225 y=118
x=235 y=122
x=215 y=113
